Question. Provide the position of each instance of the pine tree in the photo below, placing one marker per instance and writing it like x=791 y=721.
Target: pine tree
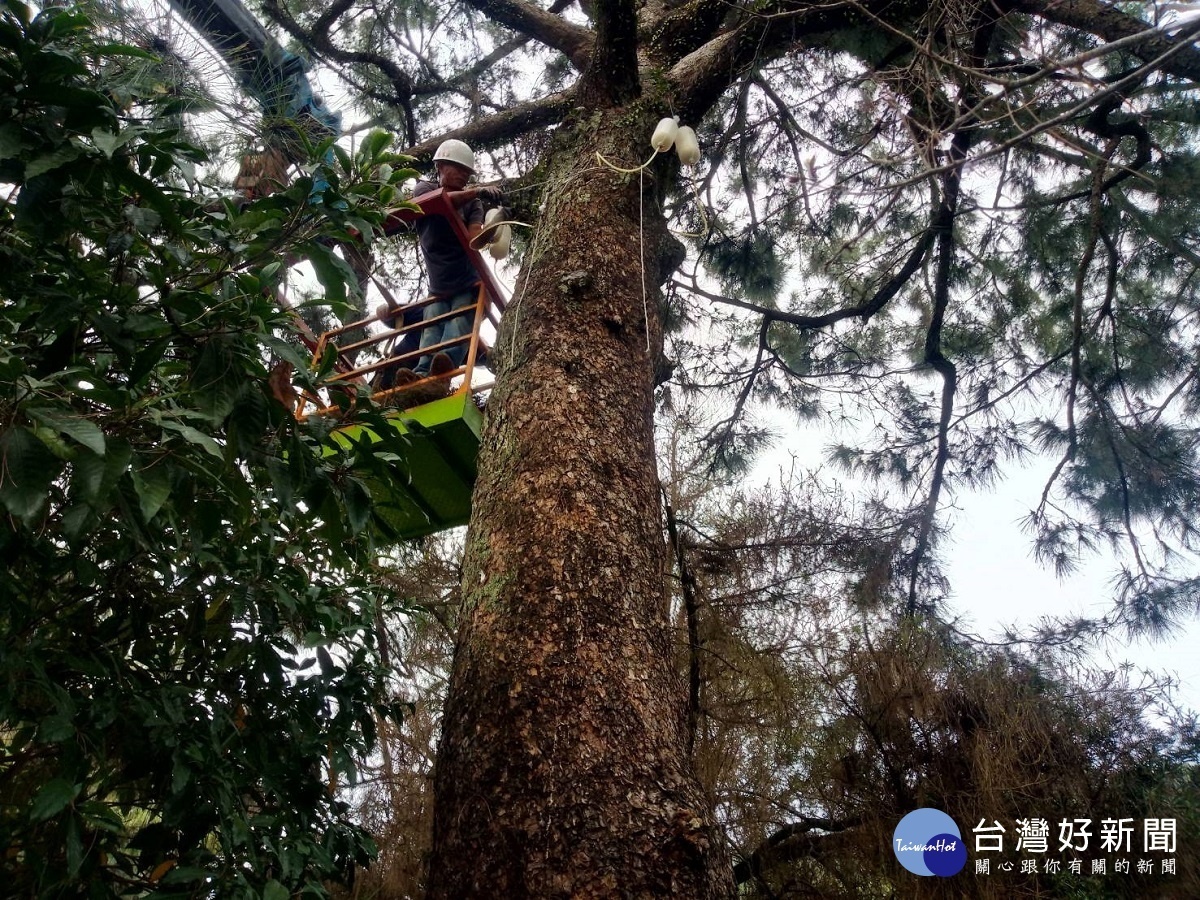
x=959 y=222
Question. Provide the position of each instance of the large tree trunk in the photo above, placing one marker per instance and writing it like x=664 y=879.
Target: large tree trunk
x=562 y=769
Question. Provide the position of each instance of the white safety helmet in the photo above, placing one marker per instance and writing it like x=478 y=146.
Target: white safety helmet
x=456 y=151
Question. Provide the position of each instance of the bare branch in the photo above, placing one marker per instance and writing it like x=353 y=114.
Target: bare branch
x=437 y=85
x=944 y=225
x=702 y=76
x=1077 y=330
x=719 y=434
x=687 y=583
x=793 y=841
x=863 y=311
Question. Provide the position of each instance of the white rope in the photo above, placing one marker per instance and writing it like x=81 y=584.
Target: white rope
x=617 y=168
x=642 y=257
x=641 y=229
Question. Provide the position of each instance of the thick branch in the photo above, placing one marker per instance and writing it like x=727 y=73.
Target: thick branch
x=504 y=125
x=542 y=25
x=460 y=81
x=436 y=84
x=1099 y=123
x=1112 y=24
x=1077 y=335
x=937 y=360
x=702 y=76
x=719 y=436
x=611 y=78
x=672 y=33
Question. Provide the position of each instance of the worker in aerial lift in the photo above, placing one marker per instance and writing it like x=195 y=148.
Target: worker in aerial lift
x=454 y=281
x=452 y=278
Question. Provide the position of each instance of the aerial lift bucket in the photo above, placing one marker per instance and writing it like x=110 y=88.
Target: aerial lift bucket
x=428 y=487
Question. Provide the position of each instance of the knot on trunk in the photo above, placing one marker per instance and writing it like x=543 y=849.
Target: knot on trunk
x=575 y=283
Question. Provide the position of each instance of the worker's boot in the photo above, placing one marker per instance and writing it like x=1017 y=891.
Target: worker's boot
x=399 y=398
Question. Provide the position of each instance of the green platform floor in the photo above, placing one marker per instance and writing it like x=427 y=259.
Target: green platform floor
x=431 y=488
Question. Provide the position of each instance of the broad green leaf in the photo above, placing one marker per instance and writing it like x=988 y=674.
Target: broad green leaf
x=193 y=436
x=54 y=797
x=11 y=144
x=281 y=481
x=218 y=379
x=87 y=476
x=153 y=486
x=327 y=362
x=181 y=774
x=23 y=12
x=362 y=226
x=109 y=142
x=286 y=350
x=55 y=729
x=54 y=442
x=63 y=21
x=143 y=219
x=249 y=421
x=119 y=349
x=83 y=430
x=48 y=162
x=27 y=467
x=95 y=477
x=358 y=504
x=376 y=142
x=102 y=816
x=153 y=195
x=74 y=847
x=332 y=272
x=75 y=521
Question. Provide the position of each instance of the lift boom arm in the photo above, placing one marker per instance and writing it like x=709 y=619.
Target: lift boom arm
x=275 y=78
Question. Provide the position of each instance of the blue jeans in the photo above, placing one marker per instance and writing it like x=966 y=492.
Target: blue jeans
x=447 y=330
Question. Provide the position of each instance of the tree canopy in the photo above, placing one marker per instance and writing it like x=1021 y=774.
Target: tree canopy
x=964 y=228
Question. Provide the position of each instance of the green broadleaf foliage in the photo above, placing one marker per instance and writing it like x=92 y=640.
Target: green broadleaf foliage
x=157 y=566
x=82 y=430
x=52 y=798
x=29 y=468
x=153 y=486
x=332 y=272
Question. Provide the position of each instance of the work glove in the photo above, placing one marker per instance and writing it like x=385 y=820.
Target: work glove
x=490 y=194
x=386 y=315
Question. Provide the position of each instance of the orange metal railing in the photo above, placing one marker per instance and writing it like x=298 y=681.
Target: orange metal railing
x=489 y=304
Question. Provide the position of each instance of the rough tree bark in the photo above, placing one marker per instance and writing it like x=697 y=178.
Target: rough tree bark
x=562 y=770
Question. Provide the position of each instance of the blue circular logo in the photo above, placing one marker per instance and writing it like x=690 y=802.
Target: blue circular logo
x=928 y=842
